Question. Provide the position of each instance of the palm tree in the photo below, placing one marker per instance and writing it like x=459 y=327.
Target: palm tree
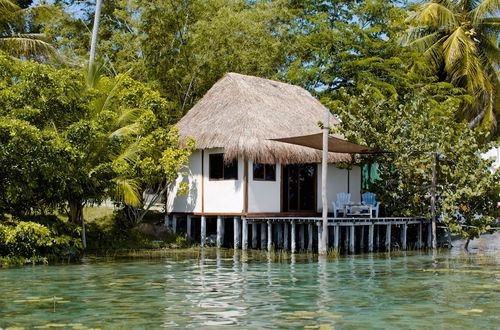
x=459 y=41
x=15 y=37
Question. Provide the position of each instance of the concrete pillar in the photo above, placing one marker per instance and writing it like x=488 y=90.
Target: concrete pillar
x=336 y=237
x=254 y=235
x=310 y=229
x=236 y=232
x=388 y=238
x=292 y=234
x=269 y=236
x=419 y=238
x=203 y=230
x=429 y=235
x=220 y=231
x=302 y=238
x=174 y=223
x=403 y=236
x=285 y=236
x=370 y=237
x=166 y=221
x=320 y=232
x=244 y=233
x=279 y=229
x=352 y=239
x=346 y=238
x=377 y=242
x=263 y=231
x=188 y=227
x=362 y=238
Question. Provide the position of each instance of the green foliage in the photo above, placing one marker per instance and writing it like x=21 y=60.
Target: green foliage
x=410 y=129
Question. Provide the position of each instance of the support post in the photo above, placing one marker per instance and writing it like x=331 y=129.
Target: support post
x=322 y=246
x=279 y=229
x=362 y=239
x=236 y=231
x=302 y=235
x=336 y=237
x=174 y=223
x=320 y=235
x=254 y=235
x=203 y=230
x=403 y=236
x=419 y=238
x=292 y=234
x=166 y=221
x=220 y=231
x=188 y=227
x=310 y=237
x=371 y=229
x=244 y=233
x=285 y=236
x=388 y=238
x=377 y=242
x=269 y=235
x=429 y=236
x=263 y=230
x=352 y=240
x=433 y=201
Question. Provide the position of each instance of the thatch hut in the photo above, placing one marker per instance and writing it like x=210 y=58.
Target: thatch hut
x=238 y=170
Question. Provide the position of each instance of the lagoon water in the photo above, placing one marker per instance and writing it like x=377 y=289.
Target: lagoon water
x=450 y=289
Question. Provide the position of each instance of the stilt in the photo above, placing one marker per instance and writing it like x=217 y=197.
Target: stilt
x=279 y=229
x=310 y=237
x=236 y=230
x=244 y=233
x=285 y=236
x=429 y=235
x=188 y=227
x=263 y=230
x=269 y=236
x=419 y=238
x=336 y=237
x=302 y=235
x=346 y=238
x=174 y=223
x=320 y=232
x=370 y=237
x=203 y=230
x=403 y=236
x=292 y=234
x=388 y=238
x=166 y=221
x=220 y=231
x=352 y=240
x=254 y=235
x=377 y=242
x=362 y=239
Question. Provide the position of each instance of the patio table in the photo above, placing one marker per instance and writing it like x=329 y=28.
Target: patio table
x=360 y=208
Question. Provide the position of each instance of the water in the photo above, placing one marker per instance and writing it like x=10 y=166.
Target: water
x=398 y=290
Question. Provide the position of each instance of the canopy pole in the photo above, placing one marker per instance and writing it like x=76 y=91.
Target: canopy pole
x=324 y=174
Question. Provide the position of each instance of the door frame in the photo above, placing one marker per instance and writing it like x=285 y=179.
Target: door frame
x=284 y=196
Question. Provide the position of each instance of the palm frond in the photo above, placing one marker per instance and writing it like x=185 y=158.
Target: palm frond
x=129 y=155
x=128 y=116
x=129 y=130
x=435 y=15
x=127 y=190
x=423 y=42
x=19 y=45
x=485 y=8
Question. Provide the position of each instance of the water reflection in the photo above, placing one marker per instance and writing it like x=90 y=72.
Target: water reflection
x=218 y=288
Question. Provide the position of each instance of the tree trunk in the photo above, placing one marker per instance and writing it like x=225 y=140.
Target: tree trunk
x=76 y=216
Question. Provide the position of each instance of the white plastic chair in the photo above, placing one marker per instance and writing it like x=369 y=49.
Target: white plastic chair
x=369 y=198
x=340 y=203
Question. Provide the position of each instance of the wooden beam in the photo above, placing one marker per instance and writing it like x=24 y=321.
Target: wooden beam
x=202 y=181
x=244 y=233
x=245 y=186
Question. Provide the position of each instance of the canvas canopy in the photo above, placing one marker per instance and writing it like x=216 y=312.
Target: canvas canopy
x=335 y=144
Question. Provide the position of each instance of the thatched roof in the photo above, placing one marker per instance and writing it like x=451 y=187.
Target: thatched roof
x=241 y=113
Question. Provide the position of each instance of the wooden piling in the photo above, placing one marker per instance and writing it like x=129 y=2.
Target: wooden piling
x=336 y=237
x=279 y=230
x=174 y=223
x=377 y=242
x=352 y=239
x=310 y=237
x=244 y=233
x=370 y=237
x=429 y=236
x=188 y=227
x=302 y=235
x=320 y=232
x=388 y=238
x=236 y=231
x=269 y=236
x=403 y=236
x=166 y=221
x=292 y=234
x=285 y=236
x=362 y=239
x=220 y=231
x=263 y=230
x=203 y=230
x=419 y=238
x=254 y=235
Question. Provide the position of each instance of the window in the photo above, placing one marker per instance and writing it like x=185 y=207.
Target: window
x=264 y=172
x=218 y=170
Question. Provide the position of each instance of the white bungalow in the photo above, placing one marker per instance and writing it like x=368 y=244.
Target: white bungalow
x=237 y=170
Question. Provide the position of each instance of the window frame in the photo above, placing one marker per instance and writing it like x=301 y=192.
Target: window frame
x=223 y=167
x=264 y=169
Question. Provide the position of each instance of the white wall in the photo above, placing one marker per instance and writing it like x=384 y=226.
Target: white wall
x=264 y=196
x=494 y=154
x=191 y=202
x=223 y=196
x=337 y=183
